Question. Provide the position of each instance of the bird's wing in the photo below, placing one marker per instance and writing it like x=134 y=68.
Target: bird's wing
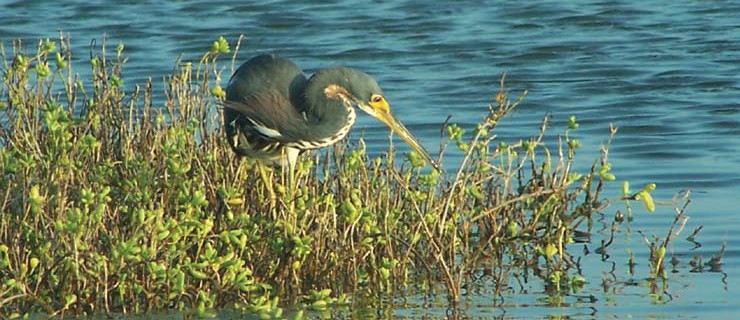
x=270 y=115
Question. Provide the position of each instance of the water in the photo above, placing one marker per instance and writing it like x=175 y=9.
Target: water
x=665 y=73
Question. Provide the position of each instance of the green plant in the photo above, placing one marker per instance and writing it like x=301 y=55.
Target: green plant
x=114 y=200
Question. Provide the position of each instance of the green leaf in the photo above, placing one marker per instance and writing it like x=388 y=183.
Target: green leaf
x=218 y=92
x=550 y=250
x=42 y=69
x=647 y=200
x=626 y=189
x=200 y=275
x=61 y=62
x=572 y=124
x=220 y=46
x=69 y=300
x=48 y=46
x=415 y=159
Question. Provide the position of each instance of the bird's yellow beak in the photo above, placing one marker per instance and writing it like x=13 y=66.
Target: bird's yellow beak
x=381 y=110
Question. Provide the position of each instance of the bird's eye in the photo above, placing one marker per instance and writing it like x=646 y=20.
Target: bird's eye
x=376 y=98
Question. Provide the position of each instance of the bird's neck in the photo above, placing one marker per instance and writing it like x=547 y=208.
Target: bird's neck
x=328 y=116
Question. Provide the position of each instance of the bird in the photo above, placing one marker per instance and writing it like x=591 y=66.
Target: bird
x=272 y=112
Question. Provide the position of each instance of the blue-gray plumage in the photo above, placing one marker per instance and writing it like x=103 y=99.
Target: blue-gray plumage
x=272 y=111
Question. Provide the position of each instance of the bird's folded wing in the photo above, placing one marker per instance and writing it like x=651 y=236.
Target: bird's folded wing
x=270 y=115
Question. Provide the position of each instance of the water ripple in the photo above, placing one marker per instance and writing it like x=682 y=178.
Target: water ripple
x=665 y=74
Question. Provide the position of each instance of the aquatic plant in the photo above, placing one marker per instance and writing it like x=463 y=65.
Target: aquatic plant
x=114 y=200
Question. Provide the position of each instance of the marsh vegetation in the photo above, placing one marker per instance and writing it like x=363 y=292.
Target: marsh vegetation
x=118 y=199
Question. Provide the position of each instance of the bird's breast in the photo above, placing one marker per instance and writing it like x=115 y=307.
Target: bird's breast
x=333 y=138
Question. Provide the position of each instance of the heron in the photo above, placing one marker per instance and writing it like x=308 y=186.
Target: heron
x=272 y=112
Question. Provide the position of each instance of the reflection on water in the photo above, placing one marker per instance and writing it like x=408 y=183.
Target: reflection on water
x=665 y=74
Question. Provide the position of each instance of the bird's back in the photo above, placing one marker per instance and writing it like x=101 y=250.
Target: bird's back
x=267 y=73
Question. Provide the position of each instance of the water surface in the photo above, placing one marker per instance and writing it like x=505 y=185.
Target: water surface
x=665 y=73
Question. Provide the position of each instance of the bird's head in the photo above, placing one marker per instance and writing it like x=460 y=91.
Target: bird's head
x=360 y=89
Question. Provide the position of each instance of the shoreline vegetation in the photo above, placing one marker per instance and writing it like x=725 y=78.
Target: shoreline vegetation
x=113 y=202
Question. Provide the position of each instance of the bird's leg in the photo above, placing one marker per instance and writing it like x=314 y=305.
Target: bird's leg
x=290 y=181
x=267 y=181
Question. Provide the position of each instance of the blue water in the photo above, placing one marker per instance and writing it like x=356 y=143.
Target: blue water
x=665 y=73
